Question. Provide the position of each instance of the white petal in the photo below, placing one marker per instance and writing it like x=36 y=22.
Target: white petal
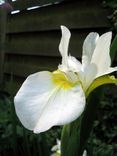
x=57 y=146
x=28 y=99
x=88 y=75
x=40 y=104
x=74 y=64
x=88 y=48
x=84 y=153
x=110 y=70
x=101 y=56
x=64 y=43
x=64 y=107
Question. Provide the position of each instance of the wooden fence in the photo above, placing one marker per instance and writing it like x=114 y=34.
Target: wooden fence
x=33 y=36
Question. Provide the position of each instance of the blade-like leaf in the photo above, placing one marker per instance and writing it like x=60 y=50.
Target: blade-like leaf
x=88 y=118
x=113 y=49
x=70 y=138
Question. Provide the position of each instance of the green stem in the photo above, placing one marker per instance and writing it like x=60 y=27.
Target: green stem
x=70 y=138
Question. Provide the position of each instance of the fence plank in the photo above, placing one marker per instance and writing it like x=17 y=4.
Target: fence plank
x=24 y=4
x=45 y=43
x=23 y=66
x=75 y=15
x=3 y=16
x=33 y=36
x=12 y=83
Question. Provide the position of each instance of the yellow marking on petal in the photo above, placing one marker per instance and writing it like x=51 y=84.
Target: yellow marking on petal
x=101 y=81
x=62 y=80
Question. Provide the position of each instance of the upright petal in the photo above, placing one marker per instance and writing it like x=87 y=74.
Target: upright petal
x=64 y=43
x=88 y=76
x=88 y=48
x=74 y=65
x=101 y=56
x=41 y=104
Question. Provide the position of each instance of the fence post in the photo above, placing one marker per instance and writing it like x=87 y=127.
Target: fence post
x=3 y=15
x=4 y=9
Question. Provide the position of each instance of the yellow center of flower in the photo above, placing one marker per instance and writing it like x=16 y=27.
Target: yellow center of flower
x=63 y=80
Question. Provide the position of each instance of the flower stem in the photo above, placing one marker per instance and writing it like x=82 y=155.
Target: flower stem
x=70 y=138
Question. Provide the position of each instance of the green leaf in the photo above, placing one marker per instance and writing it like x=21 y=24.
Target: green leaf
x=106 y=79
x=70 y=138
x=113 y=49
x=88 y=118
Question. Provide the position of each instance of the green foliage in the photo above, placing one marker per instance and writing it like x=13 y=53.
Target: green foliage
x=103 y=137
x=102 y=141
x=14 y=139
x=112 y=4
x=70 y=138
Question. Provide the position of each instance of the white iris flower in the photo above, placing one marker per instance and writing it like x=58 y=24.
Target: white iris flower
x=54 y=98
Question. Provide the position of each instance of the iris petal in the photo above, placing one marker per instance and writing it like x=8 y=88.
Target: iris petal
x=88 y=48
x=41 y=104
x=101 y=56
x=64 y=43
x=74 y=65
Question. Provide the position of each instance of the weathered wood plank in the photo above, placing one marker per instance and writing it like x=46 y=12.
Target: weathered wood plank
x=22 y=66
x=45 y=43
x=75 y=15
x=33 y=36
x=24 y=4
x=12 y=83
x=3 y=17
x=34 y=44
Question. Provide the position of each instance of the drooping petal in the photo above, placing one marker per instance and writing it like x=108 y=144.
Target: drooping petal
x=64 y=43
x=27 y=100
x=101 y=57
x=41 y=104
x=88 y=48
x=64 y=107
